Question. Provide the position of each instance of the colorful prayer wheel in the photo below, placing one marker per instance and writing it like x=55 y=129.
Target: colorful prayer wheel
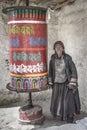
x=28 y=48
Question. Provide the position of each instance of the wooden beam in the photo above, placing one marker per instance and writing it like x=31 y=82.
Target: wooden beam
x=7 y=1
x=36 y=1
x=27 y=2
x=59 y=5
x=17 y=2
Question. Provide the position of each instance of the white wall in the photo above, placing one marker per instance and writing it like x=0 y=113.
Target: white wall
x=69 y=25
x=5 y=95
x=72 y=30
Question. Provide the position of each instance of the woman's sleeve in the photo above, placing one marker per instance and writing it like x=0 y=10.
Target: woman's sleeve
x=50 y=71
x=72 y=67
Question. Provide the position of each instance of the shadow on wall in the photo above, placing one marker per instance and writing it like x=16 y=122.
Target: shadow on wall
x=10 y=99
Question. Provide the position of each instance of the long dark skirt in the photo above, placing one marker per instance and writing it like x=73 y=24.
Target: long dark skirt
x=64 y=101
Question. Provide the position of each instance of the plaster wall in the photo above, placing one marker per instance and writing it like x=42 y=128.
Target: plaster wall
x=5 y=95
x=72 y=30
x=69 y=25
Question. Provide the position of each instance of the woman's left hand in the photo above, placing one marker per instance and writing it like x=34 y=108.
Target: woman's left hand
x=70 y=86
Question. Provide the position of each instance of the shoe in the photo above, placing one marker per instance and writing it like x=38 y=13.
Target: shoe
x=70 y=119
x=54 y=116
x=63 y=118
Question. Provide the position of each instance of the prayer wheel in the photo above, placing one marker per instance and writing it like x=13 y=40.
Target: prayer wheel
x=28 y=48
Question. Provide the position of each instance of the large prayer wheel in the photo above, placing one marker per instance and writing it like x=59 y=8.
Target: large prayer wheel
x=28 y=48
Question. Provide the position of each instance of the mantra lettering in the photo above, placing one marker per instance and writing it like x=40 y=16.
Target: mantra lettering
x=26 y=30
x=37 y=41
x=26 y=57
x=15 y=42
x=39 y=67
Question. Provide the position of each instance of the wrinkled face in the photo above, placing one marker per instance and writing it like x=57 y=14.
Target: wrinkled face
x=59 y=50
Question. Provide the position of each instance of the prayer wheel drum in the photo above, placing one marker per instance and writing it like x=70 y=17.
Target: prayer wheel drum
x=28 y=48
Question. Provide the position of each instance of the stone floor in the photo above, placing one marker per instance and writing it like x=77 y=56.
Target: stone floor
x=9 y=116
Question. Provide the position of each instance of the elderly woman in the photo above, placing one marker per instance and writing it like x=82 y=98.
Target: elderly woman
x=63 y=79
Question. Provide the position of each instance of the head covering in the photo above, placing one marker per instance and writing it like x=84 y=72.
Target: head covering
x=58 y=43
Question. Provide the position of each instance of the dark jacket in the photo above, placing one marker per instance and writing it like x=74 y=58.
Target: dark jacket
x=70 y=68
x=70 y=96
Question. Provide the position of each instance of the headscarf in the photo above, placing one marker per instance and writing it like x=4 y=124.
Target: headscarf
x=58 y=43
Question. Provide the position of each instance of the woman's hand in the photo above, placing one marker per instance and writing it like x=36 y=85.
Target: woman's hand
x=70 y=86
x=50 y=85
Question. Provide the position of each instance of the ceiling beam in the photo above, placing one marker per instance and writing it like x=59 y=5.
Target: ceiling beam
x=17 y=3
x=53 y=4
x=59 y=4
